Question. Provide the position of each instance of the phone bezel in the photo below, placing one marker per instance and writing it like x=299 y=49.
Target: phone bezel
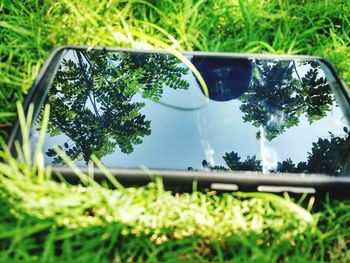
x=182 y=180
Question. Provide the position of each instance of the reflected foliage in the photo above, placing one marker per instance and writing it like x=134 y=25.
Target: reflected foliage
x=233 y=161
x=327 y=156
x=208 y=166
x=325 y=151
x=279 y=94
x=97 y=105
x=288 y=166
x=92 y=99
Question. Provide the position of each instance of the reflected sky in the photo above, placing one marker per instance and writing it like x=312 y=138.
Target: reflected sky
x=186 y=128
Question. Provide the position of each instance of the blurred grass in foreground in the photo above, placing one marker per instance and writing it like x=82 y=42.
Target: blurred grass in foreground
x=44 y=220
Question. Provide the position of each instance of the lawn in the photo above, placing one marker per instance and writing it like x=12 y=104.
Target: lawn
x=43 y=220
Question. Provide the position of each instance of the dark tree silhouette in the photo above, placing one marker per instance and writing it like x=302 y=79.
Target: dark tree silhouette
x=278 y=96
x=302 y=167
x=286 y=166
x=250 y=164
x=331 y=156
x=208 y=165
x=328 y=156
x=92 y=99
x=218 y=168
x=315 y=92
x=232 y=160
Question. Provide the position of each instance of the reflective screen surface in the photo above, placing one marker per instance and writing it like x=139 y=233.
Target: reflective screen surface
x=148 y=109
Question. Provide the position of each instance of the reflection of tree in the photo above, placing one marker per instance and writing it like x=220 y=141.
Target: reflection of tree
x=208 y=165
x=232 y=160
x=250 y=164
x=325 y=151
x=91 y=99
x=234 y=164
x=315 y=92
x=327 y=156
x=278 y=96
x=288 y=166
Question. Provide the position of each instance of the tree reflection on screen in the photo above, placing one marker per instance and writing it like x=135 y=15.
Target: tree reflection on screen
x=98 y=106
x=327 y=156
x=92 y=99
x=278 y=95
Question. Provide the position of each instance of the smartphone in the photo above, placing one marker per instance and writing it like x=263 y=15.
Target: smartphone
x=228 y=122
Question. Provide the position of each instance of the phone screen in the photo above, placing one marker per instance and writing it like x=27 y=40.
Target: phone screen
x=133 y=109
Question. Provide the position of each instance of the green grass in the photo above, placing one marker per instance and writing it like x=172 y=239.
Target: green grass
x=44 y=220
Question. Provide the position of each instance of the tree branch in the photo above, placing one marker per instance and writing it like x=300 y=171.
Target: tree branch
x=296 y=71
x=89 y=82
